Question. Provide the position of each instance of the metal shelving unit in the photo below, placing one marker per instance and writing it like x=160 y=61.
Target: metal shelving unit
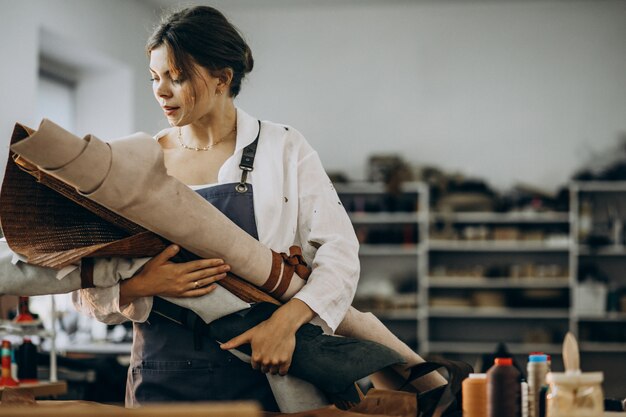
x=609 y=199
x=497 y=246
x=502 y=313
x=502 y=282
x=481 y=319
x=502 y=218
x=562 y=247
x=482 y=347
x=388 y=250
x=360 y=200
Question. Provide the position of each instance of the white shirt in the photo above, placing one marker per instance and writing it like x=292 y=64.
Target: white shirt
x=295 y=203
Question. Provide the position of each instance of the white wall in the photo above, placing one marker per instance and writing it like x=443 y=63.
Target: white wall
x=508 y=90
x=105 y=37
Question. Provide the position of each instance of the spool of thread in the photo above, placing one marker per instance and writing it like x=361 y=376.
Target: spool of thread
x=474 y=390
x=537 y=369
x=503 y=389
x=542 y=401
x=6 y=379
x=27 y=361
x=524 y=400
x=548 y=357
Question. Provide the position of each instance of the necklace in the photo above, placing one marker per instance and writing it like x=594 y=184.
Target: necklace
x=204 y=148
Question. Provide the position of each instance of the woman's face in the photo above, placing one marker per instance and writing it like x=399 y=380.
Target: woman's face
x=184 y=98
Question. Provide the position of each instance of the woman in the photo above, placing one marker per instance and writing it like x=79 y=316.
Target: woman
x=197 y=63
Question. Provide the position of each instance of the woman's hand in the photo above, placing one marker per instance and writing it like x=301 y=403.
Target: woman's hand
x=160 y=276
x=274 y=340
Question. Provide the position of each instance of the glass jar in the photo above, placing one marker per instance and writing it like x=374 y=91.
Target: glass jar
x=575 y=394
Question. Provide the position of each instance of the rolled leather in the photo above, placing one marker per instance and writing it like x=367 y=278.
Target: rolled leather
x=128 y=177
x=133 y=182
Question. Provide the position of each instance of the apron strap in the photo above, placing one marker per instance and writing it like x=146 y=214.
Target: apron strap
x=247 y=162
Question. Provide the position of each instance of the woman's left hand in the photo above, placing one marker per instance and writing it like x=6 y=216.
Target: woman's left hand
x=274 y=340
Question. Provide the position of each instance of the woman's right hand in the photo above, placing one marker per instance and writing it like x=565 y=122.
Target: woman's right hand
x=160 y=276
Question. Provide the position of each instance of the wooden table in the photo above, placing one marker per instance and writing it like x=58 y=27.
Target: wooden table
x=91 y=409
x=42 y=388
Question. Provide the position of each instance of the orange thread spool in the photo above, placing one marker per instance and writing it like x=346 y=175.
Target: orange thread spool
x=475 y=396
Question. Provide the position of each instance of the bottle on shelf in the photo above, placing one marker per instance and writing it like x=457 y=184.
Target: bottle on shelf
x=27 y=361
x=537 y=370
x=6 y=379
x=23 y=312
x=503 y=389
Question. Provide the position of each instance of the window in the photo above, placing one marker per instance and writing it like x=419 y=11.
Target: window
x=56 y=100
x=56 y=93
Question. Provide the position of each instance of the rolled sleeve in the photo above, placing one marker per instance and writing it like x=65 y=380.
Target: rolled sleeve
x=103 y=301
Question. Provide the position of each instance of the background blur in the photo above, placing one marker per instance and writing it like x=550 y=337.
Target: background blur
x=494 y=106
x=538 y=86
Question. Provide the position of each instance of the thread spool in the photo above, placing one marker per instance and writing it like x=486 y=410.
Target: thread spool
x=474 y=390
x=503 y=389
x=537 y=369
x=524 y=401
x=6 y=379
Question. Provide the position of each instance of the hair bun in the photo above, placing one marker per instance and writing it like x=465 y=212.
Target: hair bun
x=248 y=61
x=204 y=35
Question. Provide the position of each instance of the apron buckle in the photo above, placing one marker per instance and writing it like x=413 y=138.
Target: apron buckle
x=242 y=187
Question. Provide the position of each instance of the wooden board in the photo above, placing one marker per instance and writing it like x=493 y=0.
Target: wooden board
x=83 y=408
x=43 y=388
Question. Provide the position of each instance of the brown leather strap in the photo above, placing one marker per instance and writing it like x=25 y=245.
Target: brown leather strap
x=86 y=273
x=272 y=280
x=292 y=263
x=297 y=260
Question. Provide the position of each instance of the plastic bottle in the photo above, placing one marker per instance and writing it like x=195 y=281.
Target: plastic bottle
x=503 y=389
x=537 y=370
x=14 y=366
x=27 y=361
x=6 y=379
x=23 y=313
x=474 y=390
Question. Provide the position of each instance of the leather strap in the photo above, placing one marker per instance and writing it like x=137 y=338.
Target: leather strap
x=294 y=262
x=86 y=273
x=296 y=259
x=272 y=280
x=247 y=162
x=247 y=157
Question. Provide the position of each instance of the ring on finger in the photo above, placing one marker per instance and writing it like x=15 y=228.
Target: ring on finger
x=195 y=285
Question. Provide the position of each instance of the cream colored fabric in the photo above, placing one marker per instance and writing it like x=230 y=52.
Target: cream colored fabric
x=129 y=178
x=102 y=302
x=24 y=279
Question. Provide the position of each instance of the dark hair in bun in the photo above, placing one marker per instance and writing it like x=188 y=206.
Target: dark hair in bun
x=204 y=35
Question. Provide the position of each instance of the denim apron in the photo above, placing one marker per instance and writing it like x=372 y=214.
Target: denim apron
x=167 y=367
